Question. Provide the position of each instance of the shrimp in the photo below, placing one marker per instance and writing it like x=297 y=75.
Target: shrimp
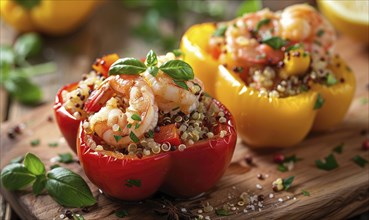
x=242 y=38
x=170 y=96
x=302 y=23
x=129 y=108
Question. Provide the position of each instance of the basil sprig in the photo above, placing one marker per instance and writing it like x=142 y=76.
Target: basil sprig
x=64 y=186
x=178 y=70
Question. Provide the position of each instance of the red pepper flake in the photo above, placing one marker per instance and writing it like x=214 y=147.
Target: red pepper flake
x=278 y=158
x=248 y=159
x=365 y=145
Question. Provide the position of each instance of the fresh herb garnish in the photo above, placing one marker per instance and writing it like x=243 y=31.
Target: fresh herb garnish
x=320 y=33
x=117 y=138
x=329 y=163
x=262 y=22
x=64 y=186
x=275 y=42
x=150 y=133
x=133 y=137
x=77 y=217
x=319 y=102
x=178 y=70
x=17 y=159
x=288 y=182
x=53 y=144
x=222 y=212
x=35 y=142
x=16 y=70
x=220 y=31
x=248 y=7
x=65 y=158
x=136 y=117
x=283 y=167
x=339 y=148
x=54 y=166
x=129 y=125
x=131 y=182
x=331 y=80
x=177 y=52
x=137 y=125
x=121 y=213
x=359 y=161
x=305 y=193
x=294 y=47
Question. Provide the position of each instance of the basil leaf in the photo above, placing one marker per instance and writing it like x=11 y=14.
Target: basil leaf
x=153 y=70
x=330 y=163
x=17 y=159
x=151 y=58
x=27 y=45
x=15 y=176
x=66 y=158
x=262 y=22
x=39 y=184
x=7 y=55
x=177 y=69
x=249 y=6
x=34 y=164
x=275 y=42
x=220 y=31
x=181 y=84
x=359 y=161
x=68 y=188
x=21 y=88
x=319 y=102
x=127 y=66
x=28 y=4
x=288 y=182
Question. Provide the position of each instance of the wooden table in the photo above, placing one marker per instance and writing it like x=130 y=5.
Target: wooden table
x=342 y=193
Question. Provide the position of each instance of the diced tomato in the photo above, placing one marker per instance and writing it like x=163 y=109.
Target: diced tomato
x=168 y=133
x=103 y=64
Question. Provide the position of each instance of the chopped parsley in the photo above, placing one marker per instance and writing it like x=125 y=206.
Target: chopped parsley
x=53 y=144
x=328 y=164
x=261 y=23
x=129 y=125
x=282 y=166
x=305 y=193
x=35 y=142
x=339 y=148
x=150 y=133
x=131 y=182
x=359 y=161
x=331 y=80
x=117 y=138
x=65 y=158
x=222 y=212
x=133 y=137
x=288 y=182
x=121 y=213
x=137 y=125
x=319 y=102
x=320 y=33
x=294 y=47
x=220 y=31
x=136 y=117
x=274 y=42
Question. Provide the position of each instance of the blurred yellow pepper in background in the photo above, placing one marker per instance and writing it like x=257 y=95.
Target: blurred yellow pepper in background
x=54 y=17
x=269 y=121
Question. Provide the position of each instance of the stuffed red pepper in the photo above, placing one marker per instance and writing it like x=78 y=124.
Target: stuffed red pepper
x=151 y=127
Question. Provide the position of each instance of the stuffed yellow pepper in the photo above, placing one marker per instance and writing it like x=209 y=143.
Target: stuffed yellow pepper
x=53 y=17
x=276 y=71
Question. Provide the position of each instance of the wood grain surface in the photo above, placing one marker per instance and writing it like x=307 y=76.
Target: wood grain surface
x=337 y=194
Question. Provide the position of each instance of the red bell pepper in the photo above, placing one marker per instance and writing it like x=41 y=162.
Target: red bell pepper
x=185 y=173
x=67 y=123
x=168 y=133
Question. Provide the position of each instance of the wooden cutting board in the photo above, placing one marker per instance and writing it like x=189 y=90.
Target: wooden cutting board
x=336 y=194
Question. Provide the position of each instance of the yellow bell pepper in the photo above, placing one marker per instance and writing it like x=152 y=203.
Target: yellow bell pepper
x=268 y=121
x=54 y=17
